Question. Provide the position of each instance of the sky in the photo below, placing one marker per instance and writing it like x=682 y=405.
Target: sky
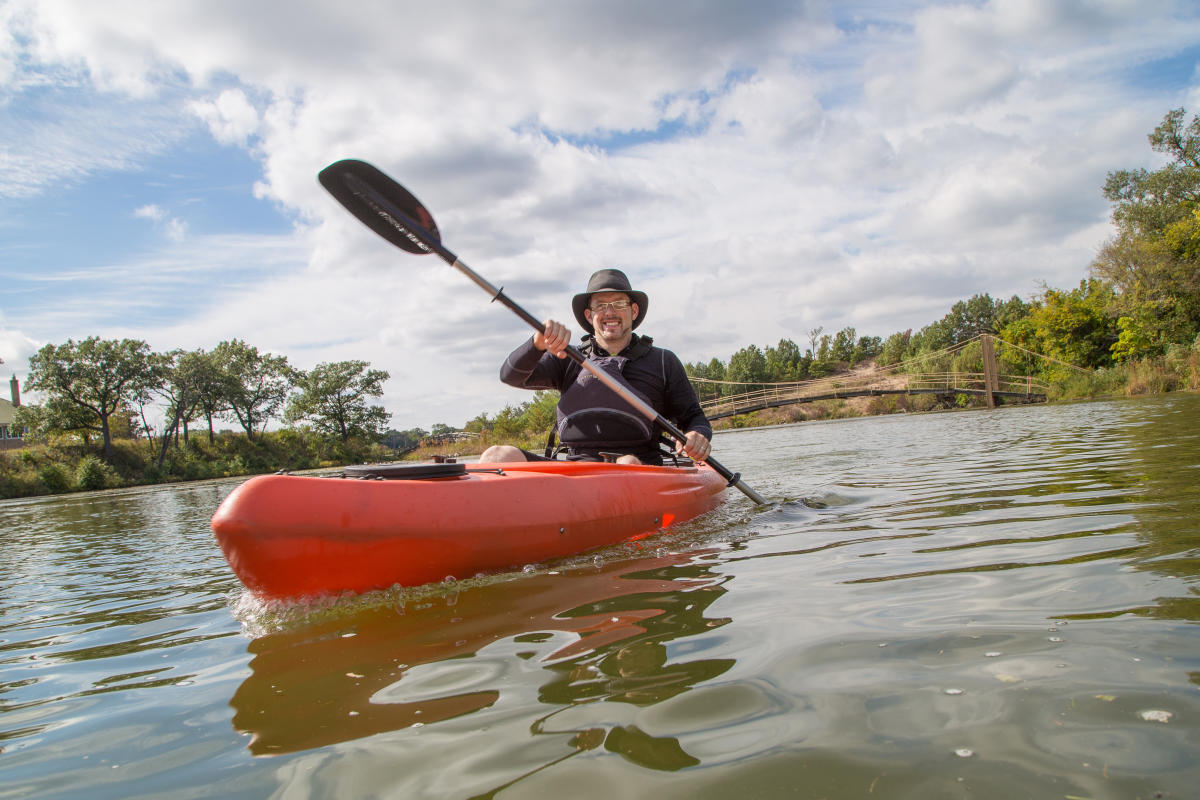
x=760 y=168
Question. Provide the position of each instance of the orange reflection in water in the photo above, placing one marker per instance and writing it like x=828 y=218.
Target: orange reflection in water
x=333 y=681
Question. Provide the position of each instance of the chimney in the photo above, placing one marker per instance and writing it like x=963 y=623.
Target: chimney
x=16 y=391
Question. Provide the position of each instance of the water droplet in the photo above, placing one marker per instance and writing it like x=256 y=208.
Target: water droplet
x=883 y=644
x=529 y=569
x=449 y=579
x=992 y=654
x=953 y=691
x=964 y=752
x=1054 y=638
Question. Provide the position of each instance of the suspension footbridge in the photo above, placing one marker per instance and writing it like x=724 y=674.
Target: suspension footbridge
x=915 y=376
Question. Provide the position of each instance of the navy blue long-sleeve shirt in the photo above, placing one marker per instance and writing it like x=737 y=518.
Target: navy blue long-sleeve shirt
x=659 y=375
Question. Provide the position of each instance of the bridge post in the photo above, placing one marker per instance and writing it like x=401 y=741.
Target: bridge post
x=991 y=377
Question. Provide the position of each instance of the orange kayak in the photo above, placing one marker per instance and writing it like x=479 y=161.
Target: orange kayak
x=375 y=527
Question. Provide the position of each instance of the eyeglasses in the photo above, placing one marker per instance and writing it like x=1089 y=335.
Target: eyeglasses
x=618 y=306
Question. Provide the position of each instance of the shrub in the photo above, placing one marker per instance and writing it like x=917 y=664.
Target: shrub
x=53 y=477
x=884 y=404
x=92 y=474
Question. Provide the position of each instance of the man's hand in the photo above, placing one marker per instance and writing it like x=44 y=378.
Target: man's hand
x=697 y=446
x=554 y=339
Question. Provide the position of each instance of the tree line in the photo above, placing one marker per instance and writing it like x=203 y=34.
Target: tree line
x=1139 y=304
x=98 y=387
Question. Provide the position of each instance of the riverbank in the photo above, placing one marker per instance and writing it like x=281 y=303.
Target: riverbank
x=63 y=467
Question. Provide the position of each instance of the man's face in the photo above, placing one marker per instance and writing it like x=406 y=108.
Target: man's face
x=609 y=321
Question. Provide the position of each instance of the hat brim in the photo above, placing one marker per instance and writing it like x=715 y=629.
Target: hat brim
x=580 y=302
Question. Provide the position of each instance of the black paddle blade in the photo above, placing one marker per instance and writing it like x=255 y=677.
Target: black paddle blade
x=382 y=205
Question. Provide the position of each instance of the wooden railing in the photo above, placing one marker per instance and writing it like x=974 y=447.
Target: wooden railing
x=842 y=386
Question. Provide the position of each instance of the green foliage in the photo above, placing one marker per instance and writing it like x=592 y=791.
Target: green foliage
x=87 y=382
x=1074 y=327
x=747 y=365
x=785 y=362
x=254 y=385
x=894 y=348
x=333 y=398
x=53 y=477
x=92 y=474
x=406 y=440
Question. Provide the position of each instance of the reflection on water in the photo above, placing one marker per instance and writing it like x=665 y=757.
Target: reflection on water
x=980 y=604
x=349 y=677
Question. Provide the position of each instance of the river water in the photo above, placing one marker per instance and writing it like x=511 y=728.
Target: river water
x=984 y=604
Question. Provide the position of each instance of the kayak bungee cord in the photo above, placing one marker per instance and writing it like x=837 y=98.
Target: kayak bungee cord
x=394 y=213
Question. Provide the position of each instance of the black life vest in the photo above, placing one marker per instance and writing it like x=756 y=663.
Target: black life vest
x=593 y=416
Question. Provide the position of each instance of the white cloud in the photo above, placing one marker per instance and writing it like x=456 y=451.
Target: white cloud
x=151 y=212
x=231 y=117
x=833 y=165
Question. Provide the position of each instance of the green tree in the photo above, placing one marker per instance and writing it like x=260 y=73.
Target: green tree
x=748 y=366
x=203 y=374
x=254 y=385
x=1147 y=201
x=894 y=347
x=714 y=370
x=93 y=379
x=404 y=440
x=1157 y=279
x=1153 y=261
x=540 y=413
x=842 y=348
x=1073 y=326
x=333 y=398
x=783 y=361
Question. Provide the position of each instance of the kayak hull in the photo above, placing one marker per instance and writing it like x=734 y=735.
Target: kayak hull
x=291 y=536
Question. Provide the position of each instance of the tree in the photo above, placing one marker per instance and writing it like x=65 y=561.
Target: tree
x=747 y=365
x=333 y=398
x=843 y=345
x=1148 y=201
x=187 y=376
x=894 y=347
x=541 y=413
x=54 y=417
x=94 y=378
x=254 y=385
x=404 y=440
x=783 y=361
x=1073 y=326
x=1153 y=262
x=814 y=337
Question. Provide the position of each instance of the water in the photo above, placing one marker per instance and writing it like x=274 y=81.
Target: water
x=979 y=604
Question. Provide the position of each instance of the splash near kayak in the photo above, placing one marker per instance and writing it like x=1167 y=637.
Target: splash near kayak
x=289 y=536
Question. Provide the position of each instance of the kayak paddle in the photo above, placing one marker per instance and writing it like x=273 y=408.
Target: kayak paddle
x=391 y=211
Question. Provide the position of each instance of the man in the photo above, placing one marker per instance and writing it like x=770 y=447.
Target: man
x=593 y=420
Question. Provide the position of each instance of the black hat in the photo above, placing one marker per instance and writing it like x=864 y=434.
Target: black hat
x=608 y=280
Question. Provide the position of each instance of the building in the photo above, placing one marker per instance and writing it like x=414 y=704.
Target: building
x=8 y=411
